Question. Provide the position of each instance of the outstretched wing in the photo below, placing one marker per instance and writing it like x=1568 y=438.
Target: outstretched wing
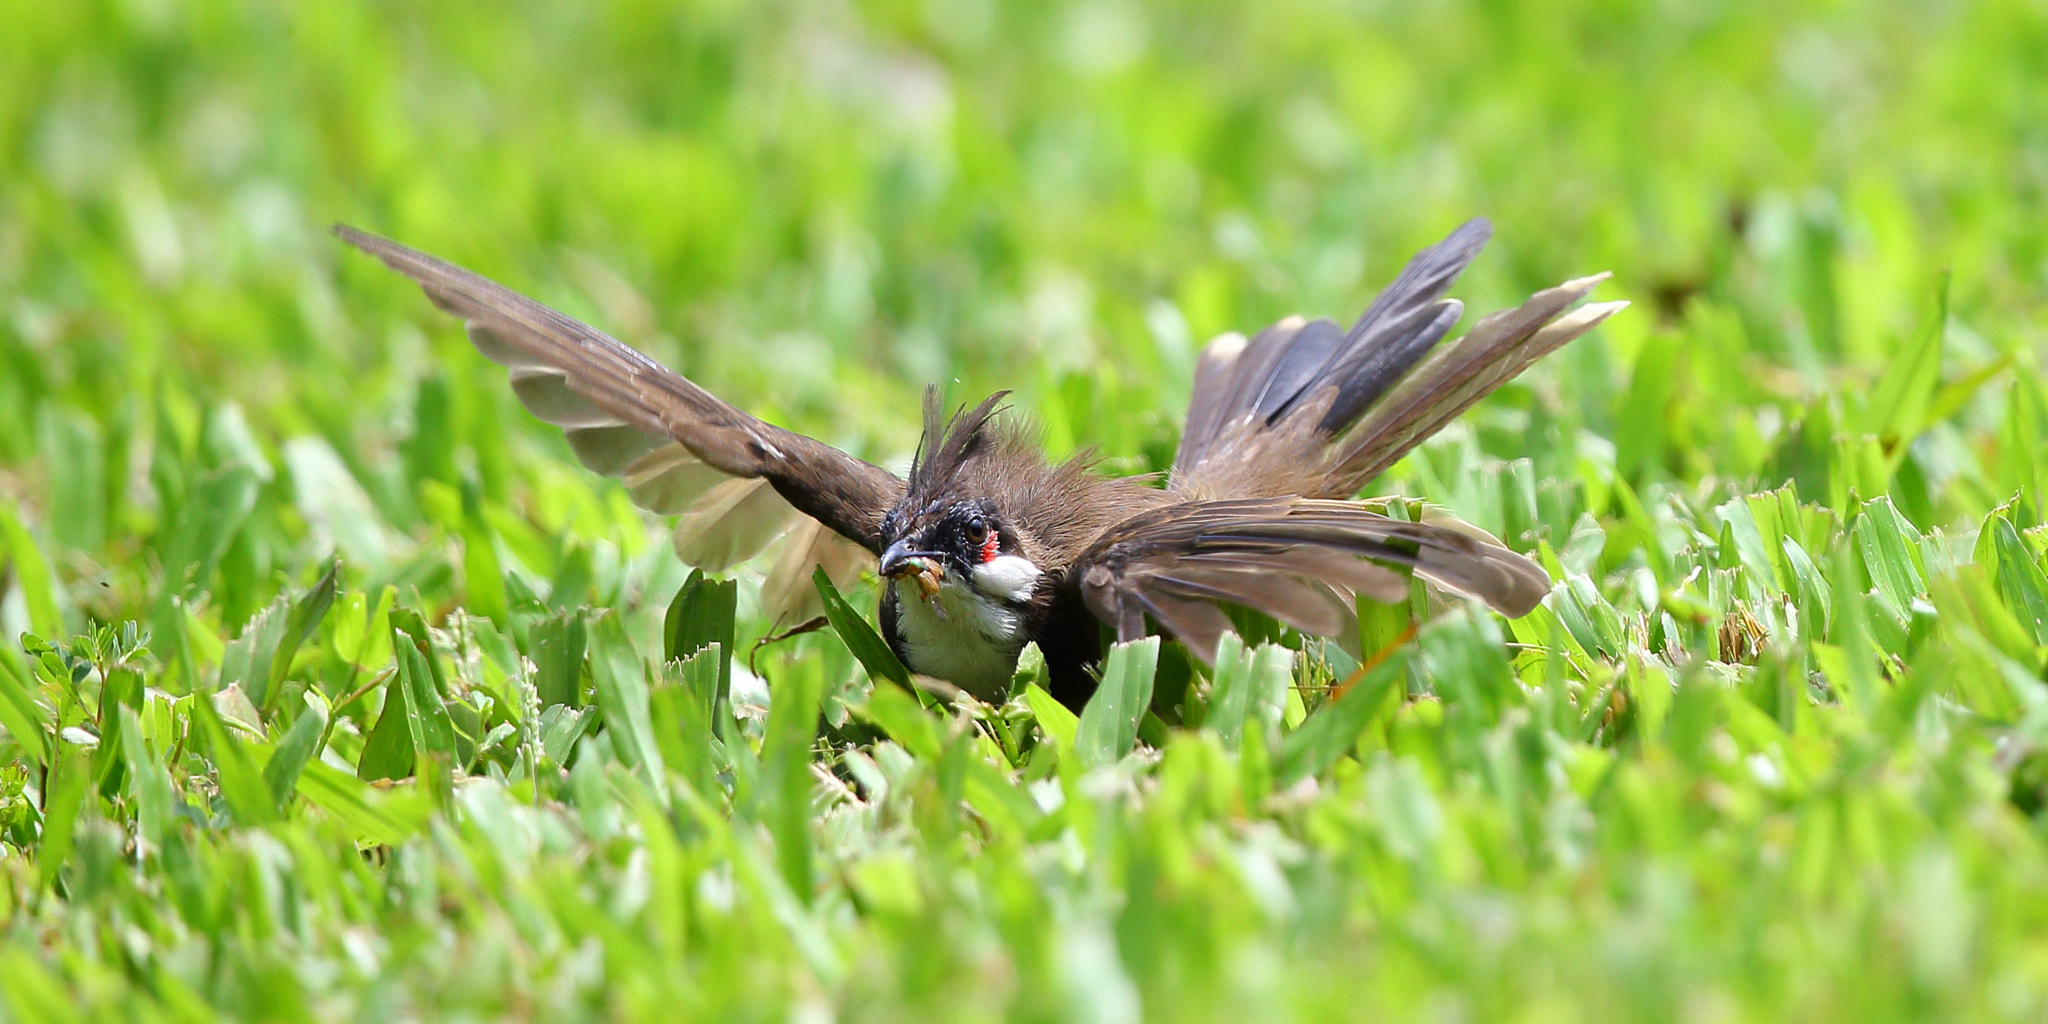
x=1281 y=426
x=737 y=482
x=1306 y=408
x=1300 y=560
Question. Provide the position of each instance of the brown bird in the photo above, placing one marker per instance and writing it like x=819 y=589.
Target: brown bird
x=989 y=545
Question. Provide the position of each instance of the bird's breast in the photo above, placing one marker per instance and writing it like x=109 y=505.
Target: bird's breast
x=966 y=638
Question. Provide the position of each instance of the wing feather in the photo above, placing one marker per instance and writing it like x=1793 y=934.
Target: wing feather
x=1302 y=409
x=1198 y=624
x=787 y=595
x=555 y=359
x=668 y=480
x=626 y=416
x=732 y=522
x=1306 y=604
x=1500 y=346
x=1299 y=560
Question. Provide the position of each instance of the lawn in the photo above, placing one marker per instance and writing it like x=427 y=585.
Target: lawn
x=333 y=688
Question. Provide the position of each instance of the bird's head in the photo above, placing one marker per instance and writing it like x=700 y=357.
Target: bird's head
x=949 y=529
x=958 y=542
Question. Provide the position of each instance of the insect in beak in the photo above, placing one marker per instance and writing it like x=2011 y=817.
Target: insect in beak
x=923 y=566
x=929 y=577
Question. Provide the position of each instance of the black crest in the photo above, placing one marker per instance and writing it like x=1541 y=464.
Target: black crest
x=948 y=445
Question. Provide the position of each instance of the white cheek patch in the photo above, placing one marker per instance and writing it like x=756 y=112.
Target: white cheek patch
x=1010 y=577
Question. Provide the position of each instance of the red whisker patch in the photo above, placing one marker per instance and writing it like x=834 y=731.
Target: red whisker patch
x=988 y=547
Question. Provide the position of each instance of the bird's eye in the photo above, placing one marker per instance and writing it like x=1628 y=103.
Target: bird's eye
x=977 y=530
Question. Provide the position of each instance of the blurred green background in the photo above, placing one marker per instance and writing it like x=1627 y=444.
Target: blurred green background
x=816 y=209
x=1829 y=215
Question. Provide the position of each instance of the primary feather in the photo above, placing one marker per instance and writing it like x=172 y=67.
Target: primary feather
x=1303 y=409
x=679 y=449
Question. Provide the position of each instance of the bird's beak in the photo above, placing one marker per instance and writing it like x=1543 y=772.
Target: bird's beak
x=903 y=560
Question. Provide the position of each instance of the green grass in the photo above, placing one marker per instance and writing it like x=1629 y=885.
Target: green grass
x=345 y=694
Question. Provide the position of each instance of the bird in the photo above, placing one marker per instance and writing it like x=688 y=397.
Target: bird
x=987 y=545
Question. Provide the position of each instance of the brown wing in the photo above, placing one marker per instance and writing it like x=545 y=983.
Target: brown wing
x=1299 y=560
x=1457 y=376
x=1307 y=412
x=1308 y=408
x=736 y=482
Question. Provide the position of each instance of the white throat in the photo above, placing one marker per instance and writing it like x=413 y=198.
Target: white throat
x=964 y=634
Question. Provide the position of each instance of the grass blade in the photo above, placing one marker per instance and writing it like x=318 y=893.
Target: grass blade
x=680 y=707
x=1108 y=728
x=247 y=663
x=301 y=743
x=32 y=570
x=622 y=696
x=241 y=782
x=64 y=796
x=369 y=816
x=786 y=775
x=388 y=750
x=1060 y=725
x=897 y=712
x=702 y=614
x=21 y=714
x=559 y=642
x=1887 y=543
x=306 y=615
x=426 y=711
x=1335 y=727
x=2020 y=579
x=859 y=637
x=1899 y=405
x=150 y=785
